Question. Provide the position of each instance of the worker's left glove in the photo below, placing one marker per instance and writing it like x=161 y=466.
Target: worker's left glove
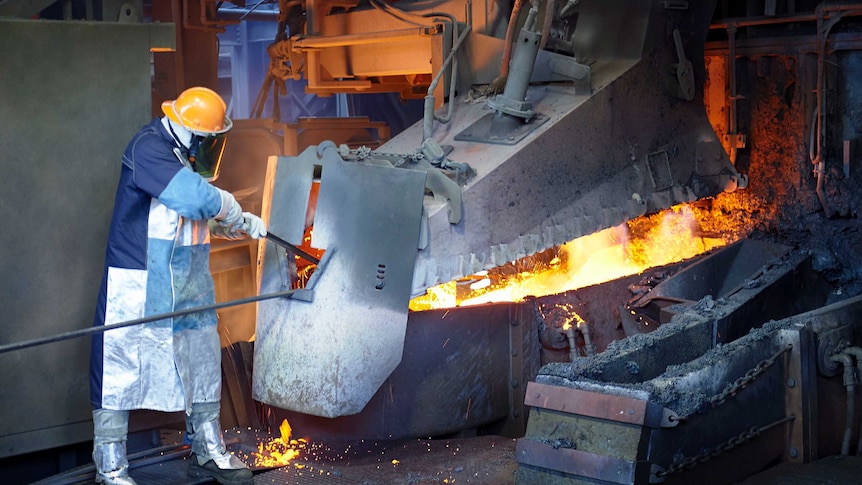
x=253 y=226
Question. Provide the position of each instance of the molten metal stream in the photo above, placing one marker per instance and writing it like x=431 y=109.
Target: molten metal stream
x=673 y=235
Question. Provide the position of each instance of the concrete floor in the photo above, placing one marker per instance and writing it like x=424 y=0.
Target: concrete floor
x=482 y=460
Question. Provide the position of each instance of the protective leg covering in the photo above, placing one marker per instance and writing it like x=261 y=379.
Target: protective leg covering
x=209 y=455
x=110 y=429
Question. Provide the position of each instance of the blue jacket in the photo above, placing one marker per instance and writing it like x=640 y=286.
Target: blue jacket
x=157 y=261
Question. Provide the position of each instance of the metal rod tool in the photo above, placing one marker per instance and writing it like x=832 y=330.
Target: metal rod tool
x=152 y=318
x=290 y=247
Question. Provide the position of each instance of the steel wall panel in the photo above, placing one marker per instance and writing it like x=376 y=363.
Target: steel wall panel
x=73 y=95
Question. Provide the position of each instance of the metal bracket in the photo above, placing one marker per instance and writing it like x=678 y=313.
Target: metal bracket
x=684 y=70
x=734 y=140
x=501 y=129
x=658 y=167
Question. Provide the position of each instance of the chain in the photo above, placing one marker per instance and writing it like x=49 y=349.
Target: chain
x=688 y=463
x=729 y=391
x=739 y=384
x=747 y=379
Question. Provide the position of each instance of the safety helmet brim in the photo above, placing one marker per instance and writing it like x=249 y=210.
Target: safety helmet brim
x=169 y=109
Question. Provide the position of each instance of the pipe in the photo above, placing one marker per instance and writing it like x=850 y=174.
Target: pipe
x=523 y=59
x=589 y=348
x=453 y=77
x=428 y=116
x=820 y=165
x=850 y=385
x=510 y=37
x=817 y=161
x=248 y=14
x=573 y=348
x=731 y=77
x=550 y=8
x=857 y=353
x=787 y=19
x=823 y=28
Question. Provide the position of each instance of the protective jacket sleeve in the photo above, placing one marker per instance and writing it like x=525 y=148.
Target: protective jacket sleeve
x=158 y=172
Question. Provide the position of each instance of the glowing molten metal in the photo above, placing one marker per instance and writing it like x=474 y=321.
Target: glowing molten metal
x=676 y=234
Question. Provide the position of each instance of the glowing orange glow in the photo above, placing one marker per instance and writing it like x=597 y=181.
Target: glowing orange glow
x=285 y=430
x=564 y=316
x=673 y=235
x=279 y=451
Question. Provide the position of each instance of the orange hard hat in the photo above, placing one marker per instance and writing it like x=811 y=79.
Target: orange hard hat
x=199 y=110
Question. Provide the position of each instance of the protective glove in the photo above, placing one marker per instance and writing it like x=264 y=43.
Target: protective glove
x=219 y=230
x=253 y=226
x=230 y=213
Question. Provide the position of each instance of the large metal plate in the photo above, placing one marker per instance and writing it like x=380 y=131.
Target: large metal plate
x=74 y=93
x=445 y=383
x=327 y=357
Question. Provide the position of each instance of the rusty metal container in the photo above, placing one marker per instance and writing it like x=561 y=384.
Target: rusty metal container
x=707 y=388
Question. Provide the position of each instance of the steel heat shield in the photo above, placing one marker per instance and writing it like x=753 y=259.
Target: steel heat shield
x=327 y=355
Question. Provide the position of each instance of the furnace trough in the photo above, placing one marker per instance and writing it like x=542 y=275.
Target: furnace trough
x=727 y=385
x=466 y=368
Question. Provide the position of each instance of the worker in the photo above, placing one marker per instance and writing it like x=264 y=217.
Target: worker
x=157 y=262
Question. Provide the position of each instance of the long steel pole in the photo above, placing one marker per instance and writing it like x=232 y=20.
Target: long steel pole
x=152 y=318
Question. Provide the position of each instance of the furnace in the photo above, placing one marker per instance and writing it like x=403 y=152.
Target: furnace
x=456 y=147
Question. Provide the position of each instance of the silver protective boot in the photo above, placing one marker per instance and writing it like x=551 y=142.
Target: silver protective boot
x=110 y=429
x=210 y=457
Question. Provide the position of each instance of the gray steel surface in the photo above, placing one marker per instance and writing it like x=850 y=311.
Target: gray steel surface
x=587 y=167
x=454 y=376
x=761 y=281
x=73 y=95
x=328 y=356
x=722 y=272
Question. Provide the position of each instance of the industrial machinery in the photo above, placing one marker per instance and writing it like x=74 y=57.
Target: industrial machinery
x=541 y=122
x=492 y=153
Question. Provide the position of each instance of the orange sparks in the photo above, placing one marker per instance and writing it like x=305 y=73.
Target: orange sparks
x=279 y=451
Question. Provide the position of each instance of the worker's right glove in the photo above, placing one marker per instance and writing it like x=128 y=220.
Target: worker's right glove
x=230 y=214
x=253 y=226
